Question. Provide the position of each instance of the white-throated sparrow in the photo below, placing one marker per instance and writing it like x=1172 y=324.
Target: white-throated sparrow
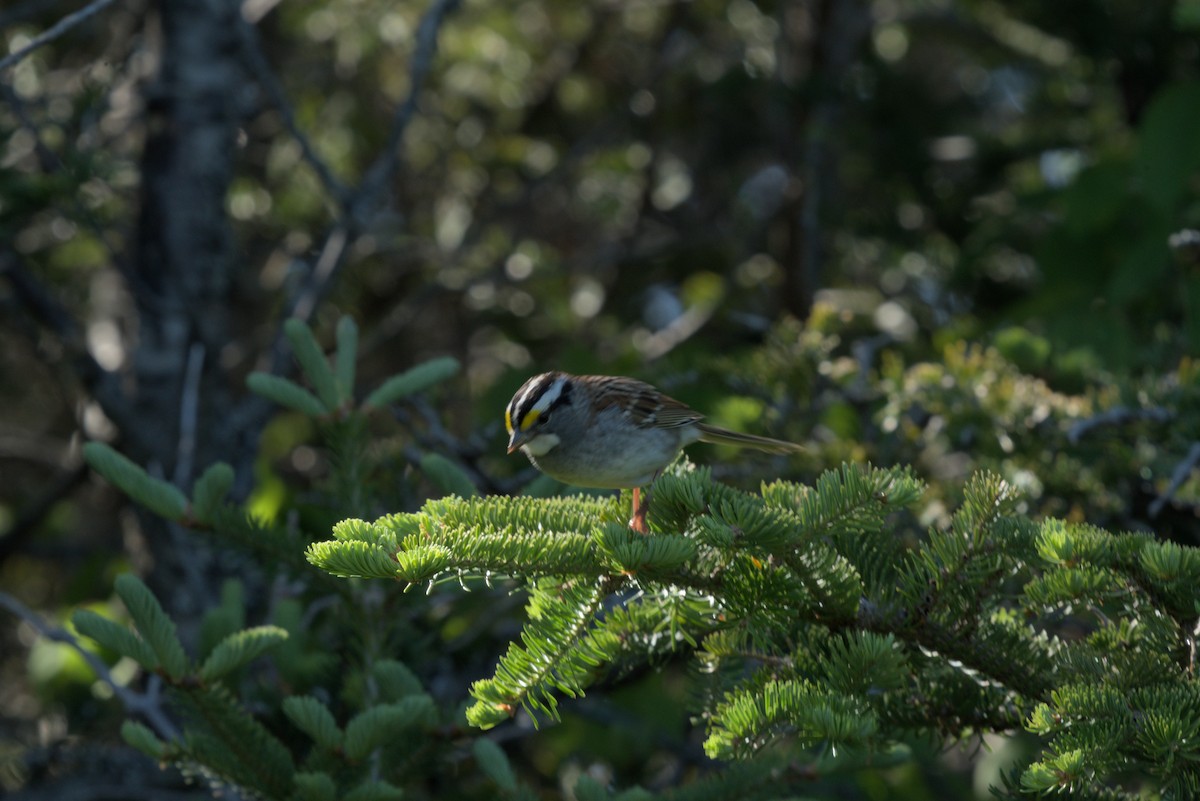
x=610 y=431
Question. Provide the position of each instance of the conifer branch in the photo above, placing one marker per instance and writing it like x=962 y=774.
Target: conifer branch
x=816 y=624
x=553 y=654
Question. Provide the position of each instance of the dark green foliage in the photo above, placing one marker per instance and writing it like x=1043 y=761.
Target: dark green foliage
x=374 y=791
x=239 y=648
x=494 y=763
x=315 y=787
x=330 y=738
x=448 y=476
x=286 y=393
x=115 y=636
x=222 y=733
x=227 y=618
x=144 y=740
x=313 y=363
x=375 y=726
x=224 y=738
x=980 y=203
x=158 y=496
x=822 y=622
x=314 y=719
x=395 y=679
x=210 y=491
x=153 y=625
x=346 y=357
x=412 y=381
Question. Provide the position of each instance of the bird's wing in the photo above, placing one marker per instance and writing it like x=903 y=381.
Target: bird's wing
x=648 y=407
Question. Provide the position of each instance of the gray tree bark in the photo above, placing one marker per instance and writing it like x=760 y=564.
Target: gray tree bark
x=184 y=261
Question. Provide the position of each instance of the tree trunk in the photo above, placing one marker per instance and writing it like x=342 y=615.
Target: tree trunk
x=184 y=259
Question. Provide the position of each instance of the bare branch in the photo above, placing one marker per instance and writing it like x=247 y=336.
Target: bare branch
x=363 y=199
x=1118 y=415
x=260 y=67
x=16 y=12
x=361 y=203
x=1191 y=641
x=189 y=413
x=55 y=31
x=422 y=62
x=333 y=253
x=1180 y=475
x=425 y=424
x=147 y=705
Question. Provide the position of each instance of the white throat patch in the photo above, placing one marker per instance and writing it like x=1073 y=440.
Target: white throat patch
x=541 y=444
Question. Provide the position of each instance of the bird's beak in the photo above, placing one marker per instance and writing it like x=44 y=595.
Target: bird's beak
x=516 y=440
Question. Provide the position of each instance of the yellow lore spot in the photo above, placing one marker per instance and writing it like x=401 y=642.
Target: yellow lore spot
x=529 y=419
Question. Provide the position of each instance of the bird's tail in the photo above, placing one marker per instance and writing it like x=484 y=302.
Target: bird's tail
x=723 y=436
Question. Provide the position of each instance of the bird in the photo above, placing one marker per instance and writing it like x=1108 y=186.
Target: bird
x=611 y=432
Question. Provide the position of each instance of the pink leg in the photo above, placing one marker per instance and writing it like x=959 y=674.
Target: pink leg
x=640 y=508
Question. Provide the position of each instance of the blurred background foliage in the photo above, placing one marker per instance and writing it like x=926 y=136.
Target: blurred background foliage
x=952 y=234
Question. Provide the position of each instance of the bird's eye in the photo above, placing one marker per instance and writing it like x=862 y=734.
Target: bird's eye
x=543 y=419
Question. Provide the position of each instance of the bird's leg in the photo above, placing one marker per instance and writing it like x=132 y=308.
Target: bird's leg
x=638 y=521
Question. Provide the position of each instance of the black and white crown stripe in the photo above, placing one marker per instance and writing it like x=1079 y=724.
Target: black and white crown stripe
x=542 y=393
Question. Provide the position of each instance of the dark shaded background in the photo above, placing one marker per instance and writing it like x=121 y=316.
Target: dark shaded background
x=660 y=189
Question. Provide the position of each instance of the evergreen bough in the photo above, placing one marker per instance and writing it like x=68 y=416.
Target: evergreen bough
x=346 y=741
x=823 y=619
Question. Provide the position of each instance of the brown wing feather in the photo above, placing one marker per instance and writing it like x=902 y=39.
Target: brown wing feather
x=674 y=413
x=652 y=408
x=649 y=406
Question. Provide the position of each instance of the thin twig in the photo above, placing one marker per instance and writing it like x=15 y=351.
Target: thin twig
x=1118 y=415
x=196 y=587
x=189 y=413
x=423 y=421
x=678 y=331
x=55 y=31
x=260 y=67
x=147 y=705
x=1180 y=475
x=20 y=11
x=333 y=253
x=362 y=203
x=1191 y=641
x=419 y=68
